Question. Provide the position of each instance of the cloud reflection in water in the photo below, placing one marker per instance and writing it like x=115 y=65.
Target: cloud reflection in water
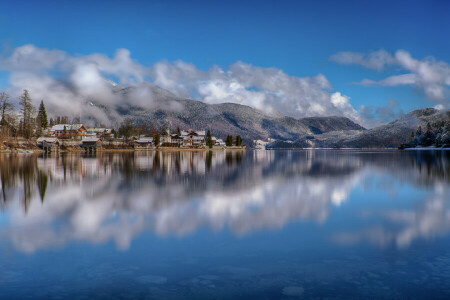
x=54 y=201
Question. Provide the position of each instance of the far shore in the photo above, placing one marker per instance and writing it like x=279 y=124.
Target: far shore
x=37 y=150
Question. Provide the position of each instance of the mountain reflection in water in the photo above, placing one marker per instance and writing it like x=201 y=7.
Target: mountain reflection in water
x=52 y=201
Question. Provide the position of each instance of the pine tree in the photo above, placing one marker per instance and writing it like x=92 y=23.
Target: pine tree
x=209 y=141
x=238 y=141
x=157 y=139
x=229 y=140
x=42 y=115
x=27 y=110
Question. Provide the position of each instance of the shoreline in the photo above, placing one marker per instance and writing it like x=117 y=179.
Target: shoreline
x=112 y=150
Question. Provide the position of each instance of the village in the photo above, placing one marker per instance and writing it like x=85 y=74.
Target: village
x=78 y=136
x=29 y=129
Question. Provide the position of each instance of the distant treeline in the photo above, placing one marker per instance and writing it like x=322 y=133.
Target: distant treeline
x=436 y=134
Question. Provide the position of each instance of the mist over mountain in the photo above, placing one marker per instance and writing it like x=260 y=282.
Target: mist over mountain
x=167 y=109
x=390 y=135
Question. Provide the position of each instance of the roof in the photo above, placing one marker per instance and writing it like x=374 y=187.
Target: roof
x=60 y=127
x=47 y=139
x=145 y=140
x=91 y=140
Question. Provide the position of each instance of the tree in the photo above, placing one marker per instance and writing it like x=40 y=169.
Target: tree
x=157 y=139
x=27 y=110
x=42 y=116
x=419 y=131
x=238 y=141
x=429 y=137
x=153 y=131
x=52 y=122
x=77 y=120
x=229 y=140
x=126 y=128
x=209 y=141
x=178 y=131
x=6 y=108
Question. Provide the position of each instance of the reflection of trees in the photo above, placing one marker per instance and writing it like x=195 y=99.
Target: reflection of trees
x=177 y=192
x=20 y=174
x=237 y=169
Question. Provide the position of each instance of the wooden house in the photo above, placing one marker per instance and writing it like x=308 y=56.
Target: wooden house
x=91 y=144
x=68 y=131
x=144 y=143
x=48 y=144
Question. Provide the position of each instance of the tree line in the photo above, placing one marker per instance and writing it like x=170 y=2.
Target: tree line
x=436 y=134
x=26 y=122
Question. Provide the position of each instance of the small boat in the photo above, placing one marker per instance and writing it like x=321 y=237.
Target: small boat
x=25 y=152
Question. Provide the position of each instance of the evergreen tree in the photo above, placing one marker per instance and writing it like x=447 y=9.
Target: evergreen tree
x=52 y=122
x=178 y=131
x=157 y=139
x=229 y=140
x=238 y=141
x=42 y=116
x=419 y=131
x=209 y=141
x=429 y=136
x=27 y=110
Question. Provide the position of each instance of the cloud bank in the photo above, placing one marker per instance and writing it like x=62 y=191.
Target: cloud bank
x=428 y=75
x=65 y=80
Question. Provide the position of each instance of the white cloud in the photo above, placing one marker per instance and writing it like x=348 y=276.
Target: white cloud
x=64 y=80
x=375 y=60
x=427 y=75
x=378 y=115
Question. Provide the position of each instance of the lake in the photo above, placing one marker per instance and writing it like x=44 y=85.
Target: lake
x=226 y=225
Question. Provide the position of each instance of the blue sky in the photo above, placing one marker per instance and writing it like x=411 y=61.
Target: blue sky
x=297 y=37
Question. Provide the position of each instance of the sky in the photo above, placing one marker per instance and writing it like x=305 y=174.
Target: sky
x=371 y=61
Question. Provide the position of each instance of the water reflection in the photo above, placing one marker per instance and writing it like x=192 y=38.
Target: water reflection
x=49 y=201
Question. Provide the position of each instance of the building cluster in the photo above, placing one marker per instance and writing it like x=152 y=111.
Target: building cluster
x=92 y=138
x=78 y=132
x=183 y=139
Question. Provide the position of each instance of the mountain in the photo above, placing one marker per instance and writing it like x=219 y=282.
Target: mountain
x=167 y=109
x=389 y=135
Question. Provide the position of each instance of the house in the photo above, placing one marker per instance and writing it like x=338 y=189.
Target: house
x=99 y=132
x=175 y=138
x=48 y=144
x=218 y=142
x=91 y=144
x=143 y=143
x=68 y=131
x=193 y=137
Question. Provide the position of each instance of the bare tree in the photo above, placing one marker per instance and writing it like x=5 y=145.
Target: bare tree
x=6 y=109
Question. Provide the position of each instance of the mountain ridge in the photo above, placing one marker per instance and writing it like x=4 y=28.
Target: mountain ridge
x=167 y=109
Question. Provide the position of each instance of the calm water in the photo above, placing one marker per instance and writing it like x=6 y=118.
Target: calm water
x=254 y=225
